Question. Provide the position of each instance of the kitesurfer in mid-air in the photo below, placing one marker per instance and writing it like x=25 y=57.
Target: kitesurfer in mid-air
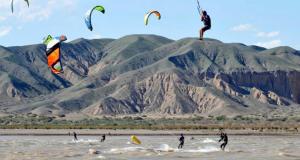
x=181 y=142
x=224 y=138
x=205 y=18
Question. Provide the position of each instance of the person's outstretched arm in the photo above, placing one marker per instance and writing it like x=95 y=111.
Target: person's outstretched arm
x=222 y=137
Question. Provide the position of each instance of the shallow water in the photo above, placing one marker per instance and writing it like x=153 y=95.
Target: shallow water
x=153 y=148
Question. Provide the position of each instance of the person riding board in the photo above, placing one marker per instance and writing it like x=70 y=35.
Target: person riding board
x=224 y=138
x=75 y=136
x=181 y=142
x=205 y=18
x=103 y=138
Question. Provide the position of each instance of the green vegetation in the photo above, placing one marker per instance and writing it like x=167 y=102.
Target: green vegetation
x=194 y=123
x=221 y=118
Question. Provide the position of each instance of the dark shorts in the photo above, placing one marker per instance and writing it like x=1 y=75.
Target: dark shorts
x=205 y=28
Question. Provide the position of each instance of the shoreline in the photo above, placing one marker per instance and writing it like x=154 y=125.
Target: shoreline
x=99 y=132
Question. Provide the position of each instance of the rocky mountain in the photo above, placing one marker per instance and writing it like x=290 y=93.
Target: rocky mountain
x=149 y=74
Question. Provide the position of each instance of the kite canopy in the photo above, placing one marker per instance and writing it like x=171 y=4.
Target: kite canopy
x=27 y=1
x=12 y=5
x=146 y=18
x=88 y=16
x=135 y=140
x=53 y=53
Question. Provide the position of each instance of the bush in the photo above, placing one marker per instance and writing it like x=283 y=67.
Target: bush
x=221 y=118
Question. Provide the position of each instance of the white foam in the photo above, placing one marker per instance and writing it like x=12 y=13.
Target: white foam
x=208 y=149
x=127 y=149
x=208 y=140
x=148 y=154
x=165 y=148
x=93 y=151
x=86 y=141
x=101 y=157
x=189 y=151
x=288 y=155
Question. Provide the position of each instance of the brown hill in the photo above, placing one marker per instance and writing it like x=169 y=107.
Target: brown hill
x=148 y=74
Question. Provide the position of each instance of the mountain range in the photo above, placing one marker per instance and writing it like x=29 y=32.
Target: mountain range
x=150 y=75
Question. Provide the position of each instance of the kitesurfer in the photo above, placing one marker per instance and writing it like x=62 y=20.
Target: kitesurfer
x=75 y=136
x=224 y=138
x=103 y=138
x=205 y=18
x=181 y=141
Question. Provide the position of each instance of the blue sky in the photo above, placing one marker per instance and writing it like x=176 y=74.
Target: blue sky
x=267 y=23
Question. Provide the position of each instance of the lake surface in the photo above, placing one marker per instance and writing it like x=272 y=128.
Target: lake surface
x=152 y=148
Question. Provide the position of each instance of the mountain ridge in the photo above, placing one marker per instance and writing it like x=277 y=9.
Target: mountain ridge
x=150 y=74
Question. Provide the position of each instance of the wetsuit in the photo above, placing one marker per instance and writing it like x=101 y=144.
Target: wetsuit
x=75 y=136
x=224 y=138
x=207 y=22
x=207 y=25
x=103 y=138
x=181 y=142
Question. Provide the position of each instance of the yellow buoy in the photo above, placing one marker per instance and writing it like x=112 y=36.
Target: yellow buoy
x=135 y=140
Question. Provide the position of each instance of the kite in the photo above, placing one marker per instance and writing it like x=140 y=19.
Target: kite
x=53 y=53
x=88 y=16
x=146 y=18
x=135 y=140
x=12 y=5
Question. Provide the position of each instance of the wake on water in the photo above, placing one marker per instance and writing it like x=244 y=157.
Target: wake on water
x=206 y=149
x=127 y=149
x=205 y=141
x=164 y=148
x=101 y=157
x=86 y=141
x=208 y=140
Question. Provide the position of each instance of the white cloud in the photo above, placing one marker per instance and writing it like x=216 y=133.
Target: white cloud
x=270 y=44
x=4 y=11
x=243 y=28
x=5 y=30
x=5 y=4
x=35 y=13
x=253 y=30
x=2 y=18
x=39 y=11
x=96 y=36
x=268 y=34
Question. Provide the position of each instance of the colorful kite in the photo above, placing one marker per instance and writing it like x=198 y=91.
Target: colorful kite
x=53 y=53
x=146 y=18
x=88 y=16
